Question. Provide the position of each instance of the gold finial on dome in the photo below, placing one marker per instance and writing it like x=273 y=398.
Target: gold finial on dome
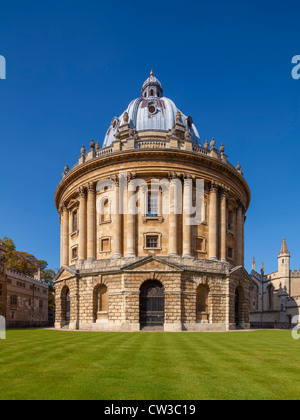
x=151 y=74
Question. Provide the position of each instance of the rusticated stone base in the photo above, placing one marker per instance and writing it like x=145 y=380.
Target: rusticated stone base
x=181 y=280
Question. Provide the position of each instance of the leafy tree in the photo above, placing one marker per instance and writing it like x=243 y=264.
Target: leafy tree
x=28 y=264
x=22 y=262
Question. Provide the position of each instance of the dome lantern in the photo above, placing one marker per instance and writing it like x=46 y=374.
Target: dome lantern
x=152 y=88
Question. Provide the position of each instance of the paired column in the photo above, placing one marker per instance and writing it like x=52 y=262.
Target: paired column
x=186 y=218
x=213 y=222
x=91 y=222
x=223 y=236
x=116 y=219
x=240 y=235
x=65 y=235
x=173 y=221
x=131 y=207
x=82 y=224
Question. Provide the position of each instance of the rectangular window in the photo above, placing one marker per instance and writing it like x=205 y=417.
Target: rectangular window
x=152 y=205
x=230 y=253
x=75 y=221
x=152 y=241
x=41 y=304
x=13 y=301
x=200 y=244
x=105 y=245
x=230 y=221
x=74 y=253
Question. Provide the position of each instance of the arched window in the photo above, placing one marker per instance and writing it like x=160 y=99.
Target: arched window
x=102 y=299
x=254 y=297
x=202 y=308
x=105 y=211
x=151 y=93
x=100 y=303
x=270 y=297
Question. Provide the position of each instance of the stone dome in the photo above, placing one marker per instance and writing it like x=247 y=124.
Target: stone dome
x=152 y=111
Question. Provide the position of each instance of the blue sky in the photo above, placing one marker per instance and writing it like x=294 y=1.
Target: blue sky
x=73 y=65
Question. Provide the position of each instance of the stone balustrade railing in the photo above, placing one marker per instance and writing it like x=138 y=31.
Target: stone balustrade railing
x=132 y=143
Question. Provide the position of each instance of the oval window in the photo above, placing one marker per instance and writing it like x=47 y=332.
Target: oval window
x=152 y=109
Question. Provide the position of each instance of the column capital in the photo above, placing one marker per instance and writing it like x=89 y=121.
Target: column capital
x=241 y=206
x=91 y=188
x=214 y=187
x=82 y=192
x=224 y=192
x=63 y=207
x=115 y=179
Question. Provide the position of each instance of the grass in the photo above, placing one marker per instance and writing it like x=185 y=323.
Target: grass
x=46 y=364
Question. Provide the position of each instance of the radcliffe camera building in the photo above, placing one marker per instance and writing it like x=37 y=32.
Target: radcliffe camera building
x=125 y=270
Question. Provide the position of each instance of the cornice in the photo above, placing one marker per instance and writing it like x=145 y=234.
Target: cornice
x=185 y=157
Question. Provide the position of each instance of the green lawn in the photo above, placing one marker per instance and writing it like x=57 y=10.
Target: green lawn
x=45 y=364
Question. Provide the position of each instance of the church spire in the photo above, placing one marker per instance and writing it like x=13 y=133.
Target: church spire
x=253 y=264
x=284 y=250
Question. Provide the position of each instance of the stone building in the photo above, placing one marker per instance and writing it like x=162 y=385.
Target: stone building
x=152 y=228
x=23 y=300
x=275 y=297
x=3 y=290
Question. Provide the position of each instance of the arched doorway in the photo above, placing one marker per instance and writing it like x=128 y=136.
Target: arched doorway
x=152 y=304
x=202 y=309
x=239 y=309
x=65 y=306
x=100 y=303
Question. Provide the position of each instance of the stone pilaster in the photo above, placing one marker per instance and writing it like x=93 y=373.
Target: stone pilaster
x=173 y=221
x=131 y=245
x=65 y=234
x=213 y=222
x=116 y=219
x=186 y=215
x=91 y=222
x=223 y=225
x=82 y=224
x=239 y=235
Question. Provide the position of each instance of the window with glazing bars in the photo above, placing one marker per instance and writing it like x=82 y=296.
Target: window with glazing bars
x=152 y=242
x=152 y=205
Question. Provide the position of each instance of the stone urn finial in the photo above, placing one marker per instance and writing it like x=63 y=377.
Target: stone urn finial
x=126 y=118
x=98 y=146
x=178 y=117
x=92 y=145
x=187 y=135
x=83 y=151
x=222 y=149
x=212 y=143
x=206 y=145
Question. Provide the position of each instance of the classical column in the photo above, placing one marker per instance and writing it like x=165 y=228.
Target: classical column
x=186 y=216
x=239 y=234
x=131 y=207
x=82 y=224
x=223 y=238
x=116 y=219
x=213 y=222
x=65 y=234
x=91 y=222
x=173 y=221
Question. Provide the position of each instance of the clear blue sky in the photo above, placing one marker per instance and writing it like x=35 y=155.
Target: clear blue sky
x=73 y=65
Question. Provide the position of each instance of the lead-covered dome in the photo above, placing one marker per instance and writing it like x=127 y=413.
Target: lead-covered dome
x=151 y=112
